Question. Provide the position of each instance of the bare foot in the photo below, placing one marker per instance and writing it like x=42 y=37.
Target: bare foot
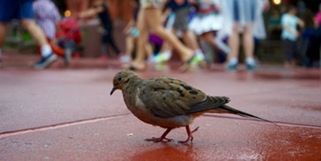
x=137 y=66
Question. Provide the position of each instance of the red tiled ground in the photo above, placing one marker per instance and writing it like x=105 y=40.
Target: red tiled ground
x=67 y=114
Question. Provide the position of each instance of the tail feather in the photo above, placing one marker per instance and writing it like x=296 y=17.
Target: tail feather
x=229 y=109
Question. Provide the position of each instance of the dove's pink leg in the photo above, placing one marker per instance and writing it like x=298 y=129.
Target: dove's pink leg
x=162 y=138
x=189 y=134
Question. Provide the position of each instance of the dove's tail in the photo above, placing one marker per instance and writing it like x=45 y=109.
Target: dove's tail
x=229 y=109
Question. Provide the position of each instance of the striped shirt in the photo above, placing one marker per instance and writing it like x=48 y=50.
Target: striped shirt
x=46 y=16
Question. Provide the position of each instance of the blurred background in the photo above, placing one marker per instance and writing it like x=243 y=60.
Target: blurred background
x=268 y=50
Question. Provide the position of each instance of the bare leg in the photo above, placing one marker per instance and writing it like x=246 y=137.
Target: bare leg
x=155 y=25
x=190 y=40
x=248 y=41
x=129 y=45
x=248 y=44
x=35 y=31
x=162 y=138
x=189 y=134
x=234 y=42
x=139 y=61
x=46 y=52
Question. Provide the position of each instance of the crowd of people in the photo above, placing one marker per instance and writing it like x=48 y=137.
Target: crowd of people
x=197 y=30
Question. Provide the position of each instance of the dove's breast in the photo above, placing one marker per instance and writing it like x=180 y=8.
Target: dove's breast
x=138 y=108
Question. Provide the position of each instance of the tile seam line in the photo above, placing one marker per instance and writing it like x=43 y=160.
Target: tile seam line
x=59 y=125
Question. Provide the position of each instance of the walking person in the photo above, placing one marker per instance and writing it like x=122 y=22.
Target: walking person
x=23 y=11
x=179 y=15
x=100 y=9
x=150 y=20
x=47 y=16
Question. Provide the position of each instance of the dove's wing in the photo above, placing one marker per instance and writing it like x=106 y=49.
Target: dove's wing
x=167 y=97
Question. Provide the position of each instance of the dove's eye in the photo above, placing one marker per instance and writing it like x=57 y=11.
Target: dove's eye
x=119 y=79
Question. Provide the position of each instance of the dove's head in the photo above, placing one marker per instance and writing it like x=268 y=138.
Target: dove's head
x=121 y=79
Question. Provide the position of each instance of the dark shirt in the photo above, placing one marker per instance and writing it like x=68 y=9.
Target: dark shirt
x=171 y=4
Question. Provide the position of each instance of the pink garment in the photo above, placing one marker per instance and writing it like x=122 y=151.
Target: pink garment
x=317 y=18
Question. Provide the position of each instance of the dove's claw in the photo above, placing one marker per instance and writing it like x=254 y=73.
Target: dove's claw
x=162 y=138
x=189 y=138
x=157 y=140
x=189 y=135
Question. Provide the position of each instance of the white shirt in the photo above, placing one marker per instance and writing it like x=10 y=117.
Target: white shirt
x=291 y=23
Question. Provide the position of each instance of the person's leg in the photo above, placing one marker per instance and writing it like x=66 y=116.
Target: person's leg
x=139 y=61
x=113 y=43
x=155 y=24
x=248 y=45
x=35 y=31
x=129 y=44
x=26 y=15
x=287 y=50
x=234 y=45
x=190 y=39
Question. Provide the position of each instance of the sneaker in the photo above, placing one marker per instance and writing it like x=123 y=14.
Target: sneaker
x=197 y=58
x=45 y=61
x=231 y=66
x=250 y=66
x=125 y=58
x=162 y=57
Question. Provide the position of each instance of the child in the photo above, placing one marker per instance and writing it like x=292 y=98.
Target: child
x=68 y=38
x=290 y=35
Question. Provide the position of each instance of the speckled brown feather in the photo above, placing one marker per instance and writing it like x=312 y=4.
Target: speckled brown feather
x=168 y=97
x=168 y=102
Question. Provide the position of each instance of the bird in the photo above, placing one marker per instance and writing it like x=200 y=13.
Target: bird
x=169 y=103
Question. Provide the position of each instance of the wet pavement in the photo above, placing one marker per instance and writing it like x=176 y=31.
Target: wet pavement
x=67 y=114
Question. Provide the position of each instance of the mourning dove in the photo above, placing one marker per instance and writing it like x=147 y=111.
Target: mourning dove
x=168 y=103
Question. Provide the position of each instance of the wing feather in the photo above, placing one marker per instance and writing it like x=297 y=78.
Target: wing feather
x=167 y=97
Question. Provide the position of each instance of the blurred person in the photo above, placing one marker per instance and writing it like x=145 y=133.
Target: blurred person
x=313 y=46
x=150 y=20
x=274 y=25
x=244 y=14
x=178 y=13
x=206 y=22
x=100 y=9
x=259 y=31
x=68 y=38
x=290 y=35
x=23 y=11
x=131 y=32
x=46 y=15
x=306 y=16
x=317 y=17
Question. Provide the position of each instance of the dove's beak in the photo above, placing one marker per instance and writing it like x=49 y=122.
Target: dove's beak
x=113 y=90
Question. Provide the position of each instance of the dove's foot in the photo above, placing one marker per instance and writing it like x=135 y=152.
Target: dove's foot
x=162 y=138
x=189 y=135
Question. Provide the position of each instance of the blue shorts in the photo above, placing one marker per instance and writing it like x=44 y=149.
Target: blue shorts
x=15 y=9
x=244 y=10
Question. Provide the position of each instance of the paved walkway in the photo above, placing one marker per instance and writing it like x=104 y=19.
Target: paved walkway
x=67 y=114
